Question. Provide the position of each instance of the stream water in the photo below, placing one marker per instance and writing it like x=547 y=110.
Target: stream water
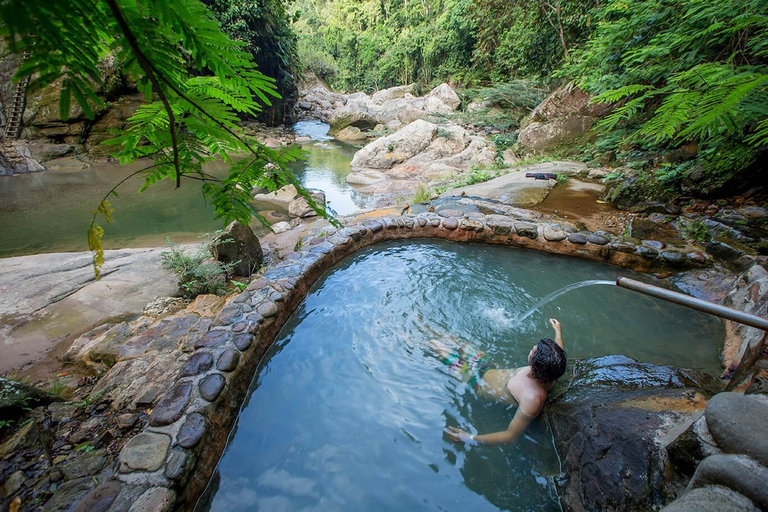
x=50 y=211
x=347 y=409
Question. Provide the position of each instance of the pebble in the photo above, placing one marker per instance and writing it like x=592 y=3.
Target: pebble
x=597 y=239
x=577 y=238
x=656 y=244
x=647 y=252
x=738 y=473
x=450 y=223
x=145 y=452
x=228 y=360
x=200 y=362
x=527 y=229
x=156 y=499
x=212 y=339
x=243 y=342
x=171 y=406
x=191 y=431
x=267 y=309
x=554 y=234
x=100 y=498
x=211 y=386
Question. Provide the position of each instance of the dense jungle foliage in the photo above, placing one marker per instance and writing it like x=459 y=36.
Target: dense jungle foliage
x=689 y=74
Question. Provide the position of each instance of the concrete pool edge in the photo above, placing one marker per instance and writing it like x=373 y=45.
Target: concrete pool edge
x=189 y=427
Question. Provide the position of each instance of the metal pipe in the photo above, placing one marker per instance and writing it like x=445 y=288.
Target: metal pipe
x=692 y=302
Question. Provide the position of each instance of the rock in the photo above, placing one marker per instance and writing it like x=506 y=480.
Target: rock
x=511 y=189
x=557 y=134
x=156 y=499
x=567 y=101
x=577 y=238
x=351 y=115
x=391 y=93
x=17 y=396
x=691 y=447
x=62 y=286
x=13 y=483
x=748 y=293
x=281 y=227
x=163 y=306
x=145 y=452
x=68 y=493
x=239 y=245
x=711 y=499
x=737 y=424
x=597 y=239
x=365 y=177
x=212 y=386
x=527 y=229
x=393 y=149
x=282 y=197
x=86 y=464
x=351 y=133
x=100 y=498
x=44 y=151
x=445 y=95
x=228 y=360
x=171 y=406
x=611 y=424
x=300 y=207
x=15 y=158
x=177 y=464
x=191 y=431
x=738 y=473
x=200 y=362
x=553 y=233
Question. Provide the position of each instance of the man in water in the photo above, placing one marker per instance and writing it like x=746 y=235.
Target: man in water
x=526 y=388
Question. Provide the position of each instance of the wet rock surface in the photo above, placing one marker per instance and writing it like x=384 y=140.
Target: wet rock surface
x=611 y=428
x=737 y=423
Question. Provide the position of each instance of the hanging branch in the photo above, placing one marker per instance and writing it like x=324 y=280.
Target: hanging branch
x=147 y=67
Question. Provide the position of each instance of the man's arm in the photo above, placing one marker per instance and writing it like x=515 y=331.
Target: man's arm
x=558 y=332
x=516 y=427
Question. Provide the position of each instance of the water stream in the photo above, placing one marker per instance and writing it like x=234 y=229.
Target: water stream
x=552 y=296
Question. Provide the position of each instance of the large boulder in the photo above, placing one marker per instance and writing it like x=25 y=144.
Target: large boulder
x=353 y=114
x=300 y=207
x=389 y=151
x=238 y=244
x=392 y=93
x=442 y=94
x=564 y=118
x=15 y=158
x=612 y=423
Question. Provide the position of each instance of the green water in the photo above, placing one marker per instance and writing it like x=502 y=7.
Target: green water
x=50 y=211
x=348 y=407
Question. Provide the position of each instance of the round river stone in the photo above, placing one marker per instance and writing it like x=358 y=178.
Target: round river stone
x=554 y=234
x=655 y=244
x=673 y=257
x=577 y=238
x=597 y=239
x=211 y=386
x=647 y=252
x=267 y=309
x=737 y=423
x=243 y=342
x=212 y=339
x=145 y=452
x=156 y=499
x=450 y=223
x=527 y=229
x=191 y=431
x=101 y=498
x=228 y=360
x=171 y=406
x=199 y=362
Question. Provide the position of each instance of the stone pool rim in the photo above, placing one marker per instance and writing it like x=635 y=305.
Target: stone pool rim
x=171 y=462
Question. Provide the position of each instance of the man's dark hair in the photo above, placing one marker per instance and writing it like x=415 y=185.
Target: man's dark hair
x=548 y=362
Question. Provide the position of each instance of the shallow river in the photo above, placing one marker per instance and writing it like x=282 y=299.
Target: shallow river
x=50 y=211
x=348 y=407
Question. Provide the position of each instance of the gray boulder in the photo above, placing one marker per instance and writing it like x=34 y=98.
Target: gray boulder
x=711 y=499
x=738 y=473
x=239 y=244
x=300 y=207
x=737 y=423
x=389 y=151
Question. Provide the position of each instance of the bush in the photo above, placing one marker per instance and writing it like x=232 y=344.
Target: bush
x=198 y=272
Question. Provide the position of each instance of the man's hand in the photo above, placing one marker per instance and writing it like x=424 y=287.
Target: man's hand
x=558 y=333
x=459 y=436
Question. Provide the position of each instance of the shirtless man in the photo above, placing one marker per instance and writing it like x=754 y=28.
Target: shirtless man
x=526 y=388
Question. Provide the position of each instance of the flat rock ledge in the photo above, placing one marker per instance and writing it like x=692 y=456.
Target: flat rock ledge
x=168 y=464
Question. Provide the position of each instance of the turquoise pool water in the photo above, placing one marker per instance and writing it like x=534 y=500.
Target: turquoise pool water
x=347 y=409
